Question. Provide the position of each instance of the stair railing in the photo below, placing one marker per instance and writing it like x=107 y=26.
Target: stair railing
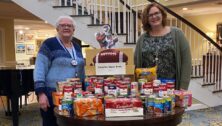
x=206 y=53
x=116 y=13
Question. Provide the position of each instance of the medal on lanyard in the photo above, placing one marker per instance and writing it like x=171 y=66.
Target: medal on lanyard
x=73 y=55
x=74 y=62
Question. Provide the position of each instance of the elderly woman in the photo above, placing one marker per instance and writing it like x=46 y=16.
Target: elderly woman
x=163 y=46
x=59 y=58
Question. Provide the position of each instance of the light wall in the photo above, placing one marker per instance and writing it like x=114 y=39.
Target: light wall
x=206 y=23
x=31 y=42
x=8 y=26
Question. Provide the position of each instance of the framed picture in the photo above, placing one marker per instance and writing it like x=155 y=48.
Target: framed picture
x=20 y=37
x=30 y=49
x=20 y=48
x=38 y=44
x=29 y=37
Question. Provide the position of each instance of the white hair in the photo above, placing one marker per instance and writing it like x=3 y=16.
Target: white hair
x=65 y=17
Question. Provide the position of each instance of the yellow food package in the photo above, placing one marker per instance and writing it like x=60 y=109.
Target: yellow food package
x=146 y=73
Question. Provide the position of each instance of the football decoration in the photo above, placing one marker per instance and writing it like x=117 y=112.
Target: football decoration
x=100 y=37
x=110 y=56
x=105 y=38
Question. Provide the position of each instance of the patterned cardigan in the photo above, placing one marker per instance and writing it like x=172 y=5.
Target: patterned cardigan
x=53 y=64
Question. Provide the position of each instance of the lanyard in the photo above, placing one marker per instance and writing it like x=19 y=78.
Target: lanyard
x=73 y=55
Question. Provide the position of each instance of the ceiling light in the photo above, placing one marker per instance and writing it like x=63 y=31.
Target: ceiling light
x=184 y=9
x=27 y=28
x=46 y=22
x=210 y=34
x=21 y=32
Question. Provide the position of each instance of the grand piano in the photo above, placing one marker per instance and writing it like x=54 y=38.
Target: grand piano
x=15 y=81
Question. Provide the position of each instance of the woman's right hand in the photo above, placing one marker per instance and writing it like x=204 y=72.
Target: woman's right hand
x=43 y=102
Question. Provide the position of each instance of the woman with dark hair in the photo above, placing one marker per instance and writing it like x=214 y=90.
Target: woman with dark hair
x=163 y=46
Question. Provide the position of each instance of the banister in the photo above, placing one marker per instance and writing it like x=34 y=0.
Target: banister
x=134 y=17
x=189 y=24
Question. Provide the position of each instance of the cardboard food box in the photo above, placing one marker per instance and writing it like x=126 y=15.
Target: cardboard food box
x=123 y=107
x=117 y=61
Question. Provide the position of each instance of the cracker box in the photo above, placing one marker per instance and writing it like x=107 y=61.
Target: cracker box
x=88 y=107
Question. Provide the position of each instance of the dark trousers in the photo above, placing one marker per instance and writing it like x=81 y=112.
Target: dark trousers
x=48 y=117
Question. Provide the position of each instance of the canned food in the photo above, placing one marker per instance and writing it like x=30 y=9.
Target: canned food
x=156 y=83
x=77 y=88
x=162 y=90
x=60 y=85
x=98 y=88
x=173 y=104
x=150 y=103
x=123 y=89
x=73 y=79
x=170 y=87
x=141 y=83
x=68 y=91
x=67 y=109
x=127 y=80
x=134 y=89
x=143 y=99
x=112 y=90
x=167 y=104
x=158 y=105
x=148 y=88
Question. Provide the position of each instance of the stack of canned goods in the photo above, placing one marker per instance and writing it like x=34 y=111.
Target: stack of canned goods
x=157 y=96
x=159 y=104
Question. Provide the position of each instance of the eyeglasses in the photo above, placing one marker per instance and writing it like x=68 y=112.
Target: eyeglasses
x=66 y=25
x=154 y=14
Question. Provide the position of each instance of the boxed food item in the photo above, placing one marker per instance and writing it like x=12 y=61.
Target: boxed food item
x=146 y=73
x=88 y=106
x=57 y=97
x=123 y=107
x=183 y=98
